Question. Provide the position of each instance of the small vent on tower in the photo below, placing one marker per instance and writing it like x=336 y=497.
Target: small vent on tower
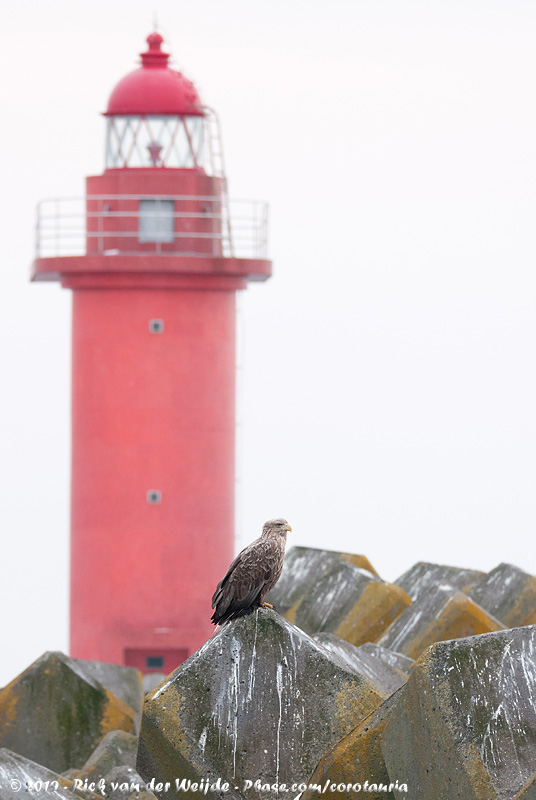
x=154 y=496
x=156 y=326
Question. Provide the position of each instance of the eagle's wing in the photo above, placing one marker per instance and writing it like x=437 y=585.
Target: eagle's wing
x=251 y=574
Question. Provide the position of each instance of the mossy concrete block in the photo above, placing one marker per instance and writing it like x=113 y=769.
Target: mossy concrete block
x=305 y=566
x=117 y=749
x=508 y=593
x=351 y=603
x=465 y=723
x=435 y=617
x=357 y=759
x=125 y=682
x=259 y=701
x=423 y=577
x=55 y=714
x=22 y=778
x=369 y=663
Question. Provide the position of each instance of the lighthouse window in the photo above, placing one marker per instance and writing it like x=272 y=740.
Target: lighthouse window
x=154 y=496
x=156 y=326
x=157 y=218
x=155 y=141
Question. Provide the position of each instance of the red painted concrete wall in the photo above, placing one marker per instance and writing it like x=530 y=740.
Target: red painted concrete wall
x=151 y=411
x=121 y=184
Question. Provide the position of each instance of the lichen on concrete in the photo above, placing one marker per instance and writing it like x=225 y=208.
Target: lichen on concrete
x=465 y=723
x=126 y=683
x=356 y=758
x=437 y=616
x=260 y=698
x=349 y=602
x=55 y=715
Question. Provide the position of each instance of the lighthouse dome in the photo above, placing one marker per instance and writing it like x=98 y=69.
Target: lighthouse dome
x=155 y=117
x=154 y=88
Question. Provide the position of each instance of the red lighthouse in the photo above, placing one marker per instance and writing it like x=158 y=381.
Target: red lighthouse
x=154 y=258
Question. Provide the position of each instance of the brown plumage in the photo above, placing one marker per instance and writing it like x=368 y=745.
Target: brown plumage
x=252 y=574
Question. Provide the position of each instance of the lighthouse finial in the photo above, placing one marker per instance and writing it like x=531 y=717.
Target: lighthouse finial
x=154 y=56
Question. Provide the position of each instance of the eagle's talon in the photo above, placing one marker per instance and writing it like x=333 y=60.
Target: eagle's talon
x=266 y=605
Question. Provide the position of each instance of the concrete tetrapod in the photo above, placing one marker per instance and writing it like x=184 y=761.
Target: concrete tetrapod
x=54 y=713
x=260 y=701
x=116 y=749
x=436 y=616
x=424 y=577
x=351 y=603
x=464 y=725
x=508 y=593
x=356 y=762
x=304 y=567
x=125 y=682
x=390 y=657
x=374 y=662
x=22 y=778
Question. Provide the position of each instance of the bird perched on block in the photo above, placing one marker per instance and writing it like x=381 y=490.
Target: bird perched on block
x=252 y=574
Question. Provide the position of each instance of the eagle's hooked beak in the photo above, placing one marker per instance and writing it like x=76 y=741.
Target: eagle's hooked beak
x=288 y=527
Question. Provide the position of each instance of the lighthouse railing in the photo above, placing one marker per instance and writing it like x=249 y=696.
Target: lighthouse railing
x=175 y=225
x=215 y=152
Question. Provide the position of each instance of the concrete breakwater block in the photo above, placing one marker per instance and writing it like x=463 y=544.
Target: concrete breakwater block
x=372 y=661
x=260 y=700
x=126 y=683
x=305 y=566
x=390 y=657
x=54 y=713
x=22 y=778
x=464 y=725
x=357 y=761
x=424 y=577
x=351 y=603
x=434 y=617
x=508 y=593
x=116 y=749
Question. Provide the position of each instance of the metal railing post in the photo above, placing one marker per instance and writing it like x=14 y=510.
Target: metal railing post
x=38 y=232
x=57 y=226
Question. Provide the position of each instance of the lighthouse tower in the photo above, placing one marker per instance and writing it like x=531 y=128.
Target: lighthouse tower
x=154 y=256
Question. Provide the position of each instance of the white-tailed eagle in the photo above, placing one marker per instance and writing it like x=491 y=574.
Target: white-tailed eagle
x=252 y=574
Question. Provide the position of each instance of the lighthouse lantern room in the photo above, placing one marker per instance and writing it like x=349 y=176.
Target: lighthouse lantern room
x=154 y=262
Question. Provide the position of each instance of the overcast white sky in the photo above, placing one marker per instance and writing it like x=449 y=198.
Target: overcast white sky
x=389 y=391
